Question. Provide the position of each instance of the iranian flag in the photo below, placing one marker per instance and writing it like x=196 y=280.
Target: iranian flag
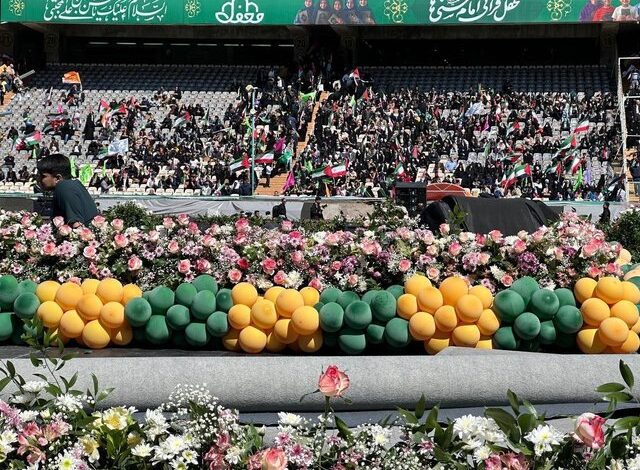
x=265 y=159
x=239 y=164
x=516 y=126
x=582 y=127
x=522 y=170
x=508 y=179
x=320 y=172
x=182 y=120
x=339 y=170
x=33 y=139
x=576 y=163
x=399 y=170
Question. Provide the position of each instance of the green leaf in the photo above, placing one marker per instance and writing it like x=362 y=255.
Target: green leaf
x=628 y=422
x=504 y=420
x=432 y=419
x=408 y=416
x=527 y=422
x=610 y=387
x=618 y=397
x=513 y=401
x=626 y=373
x=11 y=368
x=4 y=382
x=440 y=455
x=420 y=406
x=618 y=446
x=34 y=360
x=343 y=430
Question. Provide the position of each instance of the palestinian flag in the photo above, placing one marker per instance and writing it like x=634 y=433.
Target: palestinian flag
x=339 y=170
x=399 y=171
x=103 y=107
x=570 y=143
x=582 y=127
x=513 y=157
x=522 y=170
x=320 y=172
x=554 y=169
x=182 y=120
x=516 y=126
x=239 y=164
x=265 y=159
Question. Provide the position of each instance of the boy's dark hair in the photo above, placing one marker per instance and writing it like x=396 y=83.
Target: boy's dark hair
x=55 y=164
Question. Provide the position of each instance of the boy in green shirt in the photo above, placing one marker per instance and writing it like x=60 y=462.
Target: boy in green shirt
x=71 y=200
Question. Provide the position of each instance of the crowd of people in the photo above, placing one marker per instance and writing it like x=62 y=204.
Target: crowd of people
x=377 y=136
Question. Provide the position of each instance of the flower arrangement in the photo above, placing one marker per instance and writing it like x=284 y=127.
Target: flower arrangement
x=291 y=256
x=48 y=424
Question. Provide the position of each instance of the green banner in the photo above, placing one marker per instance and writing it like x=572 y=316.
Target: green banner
x=287 y=12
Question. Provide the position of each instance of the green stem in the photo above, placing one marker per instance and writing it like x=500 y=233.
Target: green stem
x=323 y=430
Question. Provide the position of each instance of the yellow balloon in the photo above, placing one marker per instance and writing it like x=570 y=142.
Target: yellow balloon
x=46 y=291
x=239 y=316
x=284 y=331
x=626 y=311
x=416 y=283
x=130 y=291
x=112 y=314
x=407 y=306
x=609 y=289
x=485 y=343
x=469 y=308
x=310 y=295
x=584 y=288
x=230 y=340
x=71 y=325
x=263 y=314
x=430 y=300
x=631 y=344
x=452 y=288
x=422 y=326
x=50 y=313
x=68 y=295
x=488 y=323
x=466 y=336
x=594 y=311
x=252 y=340
x=110 y=290
x=589 y=341
x=273 y=343
x=305 y=320
x=631 y=292
x=438 y=342
x=446 y=318
x=95 y=335
x=288 y=301
x=90 y=286
x=89 y=307
x=484 y=294
x=123 y=335
x=613 y=331
x=310 y=343
x=273 y=293
x=244 y=293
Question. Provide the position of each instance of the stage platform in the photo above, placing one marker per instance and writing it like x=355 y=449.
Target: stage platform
x=457 y=378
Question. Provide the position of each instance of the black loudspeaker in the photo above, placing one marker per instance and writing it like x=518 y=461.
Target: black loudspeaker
x=411 y=196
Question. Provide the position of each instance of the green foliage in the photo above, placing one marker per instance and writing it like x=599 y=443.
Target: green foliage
x=133 y=215
x=626 y=231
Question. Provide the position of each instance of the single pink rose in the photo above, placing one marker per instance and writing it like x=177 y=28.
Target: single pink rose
x=184 y=266
x=269 y=265
x=168 y=223
x=203 y=265
x=432 y=250
x=98 y=221
x=49 y=249
x=193 y=228
x=29 y=234
x=208 y=240
x=433 y=273
x=538 y=235
x=333 y=382
x=506 y=280
x=20 y=248
x=183 y=219
x=235 y=275
x=519 y=246
x=286 y=226
x=297 y=257
x=242 y=225
x=280 y=278
x=589 y=430
x=173 y=247
x=134 y=263
x=25 y=221
x=86 y=234
x=484 y=258
x=243 y=264
x=455 y=248
x=523 y=234
x=274 y=459
x=370 y=247
x=153 y=236
x=353 y=280
x=58 y=221
x=495 y=235
x=444 y=229
x=89 y=252
x=336 y=265
x=594 y=272
x=493 y=463
x=65 y=230
x=117 y=224
x=315 y=283
x=120 y=240
x=481 y=240
x=404 y=265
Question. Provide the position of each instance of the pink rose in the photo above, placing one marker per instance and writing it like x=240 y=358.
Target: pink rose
x=538 y=235
x=280 y=278
x=193 y=228
x=370 y=247
x=612 y=268
x=89 y=252
x=333 y=382
x=589 y=430
x=120 y=240
x=432 y=250
x=484 y=258
x=86 y=234
x=404 y=265
x=208 y=240
x=336 y=265
x=242 y=225
x=168 y=223
x=353 y=280
x=184 y=266
x=64 y=230
x=235 y=275
x=153 y=236
x=493 y=463
x=519 y=246
x=315 y=283
x=594 y=272
x=173 y=247
x=269 y=265
x=297 y=257
x=444 y=229
x=20 y=248
x=274 y=459
x=522 y=234
x=286 y=226
x=25 y=221
x=495 y=235
x=58 y=221
x=29 y=234
x=98 y=221
x=481 y=240
x=134 y=263
x=506 y=280
x=433 y=273
x=49 y=249
x=243 y=263
x=117 y=224
x=455 y=248
x=183 y=219
x=203 y=265
x=464 y=237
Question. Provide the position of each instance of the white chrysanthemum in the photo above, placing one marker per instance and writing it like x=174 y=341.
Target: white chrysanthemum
x=634 y=464
x=115 y=418
x=543 y=437
x=142 y=450
x=465 y=427
x=34 y=386
x=481 y=453
x=68 y=403
x=28 y=415
x=234 y=455
x=189 y=456
x=289 y=419
x=66 y=463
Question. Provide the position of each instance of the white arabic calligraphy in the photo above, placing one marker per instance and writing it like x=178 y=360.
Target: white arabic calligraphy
x=468 y=11
x=239 y=11
x=107 y=11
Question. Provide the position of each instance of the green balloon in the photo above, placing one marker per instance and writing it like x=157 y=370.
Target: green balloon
x=369 y=296
x=525 y=286
x=352 y=341
x=527 y=326
x=205 y=282
x=508 y=304
x=565 y=341
x=396 y=290
x=383 y=306
x=26 y=305
x=347 y=297
x=375 y=333
x=7 y=297
x=629 y=267
x=358 y=315
x=8 y=282
x=145 y=295
x=331 y=317
x=178 y=317
x=568 y=320
x=565 y=297
x=157 y=331
x=544 y=304
x=636 y=281
x=318 y=306
x=6 y=325
x=204 y=304
x=185 y=293
x=160 y=299
x=27 y=286
x=224 y=302
x=218 y=324
x=137 y=311
x=197 y=335
x=505 y=339
x=547 y=332
x=330 y=294
x=396 y=333
x=179 y=340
